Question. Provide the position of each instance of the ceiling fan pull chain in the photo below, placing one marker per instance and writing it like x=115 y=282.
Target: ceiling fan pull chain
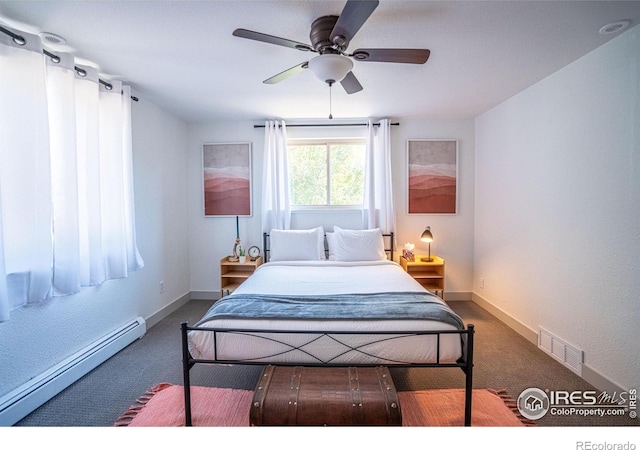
x=330 y=83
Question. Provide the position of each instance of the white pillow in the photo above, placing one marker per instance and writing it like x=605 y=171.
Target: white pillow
x=359 y=245
x=297 y=245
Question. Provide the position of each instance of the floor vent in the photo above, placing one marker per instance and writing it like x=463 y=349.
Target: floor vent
x=21 y=401
x=559 y=349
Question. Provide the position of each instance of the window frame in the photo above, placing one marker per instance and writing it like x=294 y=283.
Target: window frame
x=327 y=141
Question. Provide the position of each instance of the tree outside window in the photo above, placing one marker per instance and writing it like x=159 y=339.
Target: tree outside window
x=326 y=173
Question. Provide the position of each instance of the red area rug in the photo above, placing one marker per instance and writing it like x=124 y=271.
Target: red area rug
x=163 y=406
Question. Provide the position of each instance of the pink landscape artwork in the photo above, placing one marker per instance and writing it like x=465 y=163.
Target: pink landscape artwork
x=227 y=179
x=432 y=177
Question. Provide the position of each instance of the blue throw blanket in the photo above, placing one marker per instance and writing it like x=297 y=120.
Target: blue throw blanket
x=379 y=306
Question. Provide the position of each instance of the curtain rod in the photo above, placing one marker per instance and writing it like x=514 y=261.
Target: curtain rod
x=20 y=40
x=331 y=125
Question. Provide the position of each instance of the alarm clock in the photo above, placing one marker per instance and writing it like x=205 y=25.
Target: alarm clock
x=253 y=253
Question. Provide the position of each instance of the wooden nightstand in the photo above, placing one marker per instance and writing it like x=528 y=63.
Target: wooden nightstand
x=428 y=274
x=232 y=274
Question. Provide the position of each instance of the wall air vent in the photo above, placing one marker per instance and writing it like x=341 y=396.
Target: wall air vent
x=560 y=350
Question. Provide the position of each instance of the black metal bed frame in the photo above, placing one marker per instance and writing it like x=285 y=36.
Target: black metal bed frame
x=465 y=362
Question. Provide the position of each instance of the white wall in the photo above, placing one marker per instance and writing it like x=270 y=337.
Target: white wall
x=557 y=225
x=212 y=238
x=38 y=337
x=452 y=234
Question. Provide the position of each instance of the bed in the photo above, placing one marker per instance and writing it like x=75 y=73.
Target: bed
x=329 y=299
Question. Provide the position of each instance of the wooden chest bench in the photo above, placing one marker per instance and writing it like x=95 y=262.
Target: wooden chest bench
x=295 y=395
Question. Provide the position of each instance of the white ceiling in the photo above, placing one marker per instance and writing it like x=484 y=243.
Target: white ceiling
x=181 y=55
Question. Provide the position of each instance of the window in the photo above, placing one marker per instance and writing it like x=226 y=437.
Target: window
x=327 y=172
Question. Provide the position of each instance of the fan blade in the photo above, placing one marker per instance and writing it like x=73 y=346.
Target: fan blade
x=351 y=84
x=394 y=55
x=353 y=16
x=248 y=34
x=287 y=73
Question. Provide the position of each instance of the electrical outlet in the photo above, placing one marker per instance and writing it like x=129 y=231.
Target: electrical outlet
x=162 y=287
x=481 y=283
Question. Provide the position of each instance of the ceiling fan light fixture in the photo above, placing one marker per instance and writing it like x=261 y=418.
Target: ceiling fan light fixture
x=330 y=67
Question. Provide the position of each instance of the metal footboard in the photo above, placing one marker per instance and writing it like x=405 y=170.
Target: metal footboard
x=465 y=362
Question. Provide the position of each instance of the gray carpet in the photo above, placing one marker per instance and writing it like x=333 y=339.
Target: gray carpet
x=503 y=360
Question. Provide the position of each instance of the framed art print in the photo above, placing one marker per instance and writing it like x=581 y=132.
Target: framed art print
x=432 y=176
x=226 y=171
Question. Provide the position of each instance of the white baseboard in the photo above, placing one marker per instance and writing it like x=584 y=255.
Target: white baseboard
x=588 y=374
x=457 y=296
x=164 y=312
x=601 y=382
x=518 y=327
x=205 y=295
x=26 y=398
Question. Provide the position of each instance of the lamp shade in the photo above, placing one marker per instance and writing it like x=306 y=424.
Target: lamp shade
x=426 y=235
x=330 y=67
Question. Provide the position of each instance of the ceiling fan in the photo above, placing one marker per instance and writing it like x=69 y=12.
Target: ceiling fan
x=330 y=36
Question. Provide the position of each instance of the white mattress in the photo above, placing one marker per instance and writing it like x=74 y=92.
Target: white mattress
x=313 y=343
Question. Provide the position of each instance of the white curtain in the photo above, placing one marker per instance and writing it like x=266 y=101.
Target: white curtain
x=64 y=186
x=134 y=258
x=24 y=174
x=276 y=209
x=378 y=211
x=66 y=208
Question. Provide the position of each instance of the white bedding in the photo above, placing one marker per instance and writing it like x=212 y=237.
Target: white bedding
x=312 y=344
x=328 y=277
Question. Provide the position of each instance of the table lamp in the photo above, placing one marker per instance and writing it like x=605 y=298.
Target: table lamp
x=427 y=237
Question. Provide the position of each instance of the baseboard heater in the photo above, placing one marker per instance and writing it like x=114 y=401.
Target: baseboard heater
x=26 y=398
